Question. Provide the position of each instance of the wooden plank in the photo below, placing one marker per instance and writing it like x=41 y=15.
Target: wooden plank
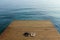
x=43 y=29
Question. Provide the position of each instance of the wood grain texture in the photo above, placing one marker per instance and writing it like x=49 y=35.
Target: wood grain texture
x=44 y=30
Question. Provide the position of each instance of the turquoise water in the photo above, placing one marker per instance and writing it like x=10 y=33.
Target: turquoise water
x=27 y=10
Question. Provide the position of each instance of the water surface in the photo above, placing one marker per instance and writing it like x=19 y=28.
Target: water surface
x=29 y=10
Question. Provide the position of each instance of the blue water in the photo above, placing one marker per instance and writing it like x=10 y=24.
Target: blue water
x=17 y=11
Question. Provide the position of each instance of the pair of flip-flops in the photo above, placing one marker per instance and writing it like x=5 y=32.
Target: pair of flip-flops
x=32 y=34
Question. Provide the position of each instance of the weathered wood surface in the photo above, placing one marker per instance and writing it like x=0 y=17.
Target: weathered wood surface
x=44 y=30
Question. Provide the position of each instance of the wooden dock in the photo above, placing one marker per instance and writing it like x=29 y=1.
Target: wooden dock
x=43 y=29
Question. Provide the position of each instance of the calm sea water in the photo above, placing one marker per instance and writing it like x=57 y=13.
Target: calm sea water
x=18 y=11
